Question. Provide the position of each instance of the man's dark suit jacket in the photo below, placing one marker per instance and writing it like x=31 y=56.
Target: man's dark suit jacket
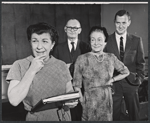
x=62 y=52
x=133 y=56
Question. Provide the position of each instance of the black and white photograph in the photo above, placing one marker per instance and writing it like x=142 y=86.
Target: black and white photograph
x=74 y=61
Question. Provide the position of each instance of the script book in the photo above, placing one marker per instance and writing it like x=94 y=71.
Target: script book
x=55 y=101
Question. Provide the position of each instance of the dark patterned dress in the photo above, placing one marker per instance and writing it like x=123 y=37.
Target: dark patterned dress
x=97 y=104
x=49 y=81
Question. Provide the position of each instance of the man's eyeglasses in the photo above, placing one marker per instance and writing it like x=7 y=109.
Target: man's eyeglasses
x=72 y=28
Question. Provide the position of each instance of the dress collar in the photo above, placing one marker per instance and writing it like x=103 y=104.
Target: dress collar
x=30 y=58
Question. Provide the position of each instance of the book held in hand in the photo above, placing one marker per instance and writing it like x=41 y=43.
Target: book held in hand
x=55 y=101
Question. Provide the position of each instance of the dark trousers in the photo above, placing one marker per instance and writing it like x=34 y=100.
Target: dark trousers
x=130 y=94
x=76 y=113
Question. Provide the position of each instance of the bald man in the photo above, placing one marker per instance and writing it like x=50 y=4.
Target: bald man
x=68 y=52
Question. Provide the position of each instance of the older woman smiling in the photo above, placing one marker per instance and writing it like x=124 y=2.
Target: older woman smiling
x=95 y=69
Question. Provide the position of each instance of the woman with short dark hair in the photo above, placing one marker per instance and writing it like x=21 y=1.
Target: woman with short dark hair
x=95 y=69
x=40 y=75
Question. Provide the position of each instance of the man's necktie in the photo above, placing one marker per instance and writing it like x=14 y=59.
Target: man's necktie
x=72 y=50
x=121 y=49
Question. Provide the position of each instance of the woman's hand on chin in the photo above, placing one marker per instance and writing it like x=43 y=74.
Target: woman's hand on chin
x=37 y=64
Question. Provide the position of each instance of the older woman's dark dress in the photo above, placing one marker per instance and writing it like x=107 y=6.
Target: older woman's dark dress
x=97 y=104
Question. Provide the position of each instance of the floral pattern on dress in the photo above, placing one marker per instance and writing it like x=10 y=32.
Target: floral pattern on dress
x=94 y=75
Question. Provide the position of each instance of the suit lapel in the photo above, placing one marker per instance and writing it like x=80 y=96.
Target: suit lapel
x=67 y=47
x=128 y=44
x=115 y=47
x=78 y=42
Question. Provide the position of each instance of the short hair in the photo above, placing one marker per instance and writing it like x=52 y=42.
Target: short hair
x=121 y=13
x=98 y=29
x=40 y=28
x=73 y=19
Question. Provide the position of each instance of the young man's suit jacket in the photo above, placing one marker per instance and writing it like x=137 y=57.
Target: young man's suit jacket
x=133 y=56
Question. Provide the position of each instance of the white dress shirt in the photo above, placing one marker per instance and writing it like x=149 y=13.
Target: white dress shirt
x=118 y=40
x=70 y=45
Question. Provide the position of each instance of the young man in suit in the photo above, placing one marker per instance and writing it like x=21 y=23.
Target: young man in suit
x=68 y=52
x=129 y=49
